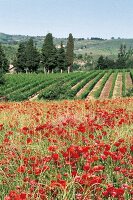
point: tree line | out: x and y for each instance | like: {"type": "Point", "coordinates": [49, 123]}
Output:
{"type": "Point", "coordinates": [50, 58]}
{"type": "Point", "coordinates": [124, 60]}
{"type": "Point", "coordinates": [28, 59]}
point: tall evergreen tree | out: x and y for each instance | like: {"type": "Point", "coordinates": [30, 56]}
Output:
{"type": "Point", "coordinates": [20, 60]}
{"type": "Point", "coordinates": [49, 53]}
{"type": "Point", "coordinates": [3, 64]}
{"type": "Point", "coordinates": [32, 56]}
{"type": "Point", "coordinates": [70, 52]}
{"type": "Point", "coordinates": [61, 58]}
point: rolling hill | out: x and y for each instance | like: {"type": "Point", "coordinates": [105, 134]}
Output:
{"type": "Point", "coordinates": [96, 48]}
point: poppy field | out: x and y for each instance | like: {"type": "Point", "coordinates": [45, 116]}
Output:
{"type": "Point", "coordinates": [78, 150]}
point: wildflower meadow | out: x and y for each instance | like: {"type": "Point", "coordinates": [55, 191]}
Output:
{"type": "Point", "coordinates": [66, 150]}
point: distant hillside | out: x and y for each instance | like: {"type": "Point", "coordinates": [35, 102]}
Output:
{"type": "Point", "coordinates": [94, 47]}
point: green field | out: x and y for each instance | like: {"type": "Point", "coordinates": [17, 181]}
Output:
{"type": "Point", "coordinates": [76, 85]}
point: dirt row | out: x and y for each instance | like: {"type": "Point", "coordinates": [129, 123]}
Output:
{"type": "Point", "coordinates": [83, 89]}
{"type": "Point", "coordinates": [128, 81]}
{"type": "Point", "coordinates": [106, 90]}
{"type": "Point", "coordinates": [91, 94]}
{"type": "Point", "coordinates": [117, 92]}
{"type": "Point", "coordinates": [118, 86]}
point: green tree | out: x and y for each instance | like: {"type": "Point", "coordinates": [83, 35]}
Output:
{"type": "Point", "coordinates": [20, 60]}
{"type": "Point", "coordinates": [105, 63]}
{"type": "Point", "coordinates": [3, 64]}
{"type": "Point", "coordinates": [79, 56]}
{"type": "Point", "coordinates": [70, 52]}
{"type": "Point", "coordinates": [49, 53]}
{"type": "Point", "coordinates": [32, 56]}
{"type": "Point", "coordinates": [129, 61]}
{"type": "Point", "coordinates": [61, 58]}
{"type": "Point", "coordinates": [109, 63]}
{"type": "Point", "coordinates": [122, 57]}
{"type": "Point", "coordinates": [100, 63]}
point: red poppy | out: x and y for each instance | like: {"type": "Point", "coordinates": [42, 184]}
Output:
{"type": "Point", "coordinates": [55, 156]}
{"type": "Point", "coordinates": [29, 140]}
{"type": "Point", "coordinates": [21, 169]}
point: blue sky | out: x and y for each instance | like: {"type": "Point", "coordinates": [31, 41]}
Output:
{"type": "Point", "coordinates": [82, 18]}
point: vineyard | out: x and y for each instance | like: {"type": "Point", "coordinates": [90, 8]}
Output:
{"type": "Point", "coordinates": [76, 85]}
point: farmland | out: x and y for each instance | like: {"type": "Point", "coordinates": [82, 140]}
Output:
{"type": "Point", "coordinates": [79, 147]}
{"type": "Point", "coordinates": [79, 150]}
{"type": "Point", "coordinates": [76, 85]}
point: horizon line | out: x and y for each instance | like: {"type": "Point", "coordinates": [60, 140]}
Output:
{"type": "Point", "coordinates": [36, 35]}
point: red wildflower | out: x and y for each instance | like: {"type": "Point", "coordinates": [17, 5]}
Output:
{"type": "Point", "coordinates": [98, 168]}
{"type": "Point", "coordinates": [52, 148]}
{"type": "Point", "coordinates": [24, 130]}
{"type": "Point", "coordinates": [13, 195]}
{"type": "Point", "coordinates": [45, 168]}
{"type": "Point", "coordinates": [122, 149]}
{"type": "Point", "coordinates": [29, 140]}
{"type": "Point", "coordinates": [37, 171]}
{"type": "Point", "coordinates": [86, 167]}
{"type": "Point", "coordinates": [55, 156]}
{"type": "Point", "coordinates": [21, 169]}
{"type": "Point", "coordinates": [6, 140]}
{"type": "Point", "coordinates": [113, 192]}
{"type": "Point", "coordinates": [59, 183]}
{"type": "Point", "coordinates": [91, 136]}
{"type": "Point", "coordinates": [117, 168]}
{"type": "Point", "coordinates": [1, 127]}
{"type": "Point", "coordinates": [82, 128]}
{"type": "Point", "coordinates": [131, 148]}
{"type": "Point", "coordinates": [23, 196]}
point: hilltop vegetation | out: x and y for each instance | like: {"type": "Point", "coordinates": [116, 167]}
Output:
{"type": "Point", "coordinates": [81, 46]}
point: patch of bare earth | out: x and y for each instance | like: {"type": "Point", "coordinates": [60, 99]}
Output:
{"type": "Point", "coordinates": [91, 94]}
{"type": "Point", "coordinates": [83, 89]}
{"type": "Point", "coordinates": [118, 86]}
{"type": "Point", "coordinates": [128, 81]}
{"type": "Point", "coordinates": [33, 97]}
{"type": "Point", "coordinates": [106, 90]}
{"type": "Point", "coordinates": [76, 85]}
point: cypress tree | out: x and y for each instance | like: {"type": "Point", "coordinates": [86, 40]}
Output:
{"type": "Point", "coordinates": [61, 58]}
{"type": "Point", "coordinates": [49, 53]}
{"type": "Point", "coordinates": [3, 64]}
{"type": "Point", "coordinates": [32, 56]}
{"type": "Point", "coordinates": [70, 52]}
